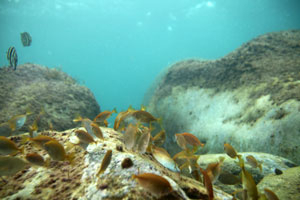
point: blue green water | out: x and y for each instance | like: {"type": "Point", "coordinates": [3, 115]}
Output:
{"type": "Point", "coordinates": [118, 47]}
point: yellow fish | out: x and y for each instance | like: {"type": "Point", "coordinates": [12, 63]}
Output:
{"type": "Point", "coordinates": [16, 122]}
{"type": "Point", "coordinates": [36, 159]}
{"type": "Point", "coordinates": [57, 152]}
{"type": "Point", "coordinates": [97, 131]}
{"type": "Point", "coordinates": [84, 136]}
{"type": "Point", "coordinates": [8, 147]}
{"type": "Point", "coordinates": [105, 162]}
{"type": "Point", "coordinates": [155, 184]}
{"type": "Point", "coordinates": [164, 158]}
{"type": "Point", "coordinates": [253, 162]}
{"type": "Point", "coordinates": [159, 138]}
{"type": "Point", "coordinates": [11, 165]}
{"type": "Point", "coordinates": [101, 118]}
{"type": "Point", "coordinates": [143, 116]}
{"type": "Point", "coordinates": [230, 151]}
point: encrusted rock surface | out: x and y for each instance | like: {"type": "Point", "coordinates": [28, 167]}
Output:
{"type": "Point", "coordinates": [34, 86]}
{"type": "Point", "coordinates": [79, 181]}
{"type": "Point", "coordinates": [285, 186]}
{"type": "Point", "coordinates": [249, 98]}
{"type": "Point", "coordinates": [270, 165]}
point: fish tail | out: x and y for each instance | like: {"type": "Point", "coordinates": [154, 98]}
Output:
{"type": "Point", "coordinates": [78, 118]}
{"type": "Point", "coordinates": [71, 157]}
{"type": "Point", "coordinates": [24, 139]}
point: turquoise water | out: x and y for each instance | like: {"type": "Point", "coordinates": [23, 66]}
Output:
{"type": "Point", "coordinates": [117, 47]}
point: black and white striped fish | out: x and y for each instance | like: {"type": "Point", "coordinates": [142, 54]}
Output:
{"type": "Point", "coordinates": [12, 57]}
{"type": "Point", "coordinates": [26, 39]}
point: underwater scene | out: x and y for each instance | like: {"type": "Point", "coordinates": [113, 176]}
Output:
{"type": "Point", "coordinates": [119, 99]}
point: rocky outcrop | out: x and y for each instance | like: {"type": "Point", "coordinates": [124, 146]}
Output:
{"type": "Point", "coordinates": [249, 98]}
{"type": "Point", "coordinates": [271, 165]}
{"type": "Point", "coordinates": [35, 87]}
{"type": "Point", "coordinates": [286, 185]}
{"type": "Point", "coordinates": [60, 180]}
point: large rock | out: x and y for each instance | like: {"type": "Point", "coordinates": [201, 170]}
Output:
{"type": "Point", "coordinates": [249, 98]}
{"type": "Point", "coordinates": [286, 185]}
{"type": "Point", "coordinates": [36, 87]}
{"type": "Point", "coordinates": [60, 180]}
{"type": "Point", "coordinates": [271, 165]}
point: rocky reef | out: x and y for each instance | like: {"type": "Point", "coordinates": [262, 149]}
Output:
{"type": "Point", "coordinates": [37, 87]}
{"type": "Point", "coordinates": [62, 180]}
{"type": "Point", "coordinates": [249, 98]}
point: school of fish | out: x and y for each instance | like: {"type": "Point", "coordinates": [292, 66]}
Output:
{"type": "Point", "coordinates": [138, 128]}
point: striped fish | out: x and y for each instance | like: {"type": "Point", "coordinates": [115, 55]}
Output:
{"type": "Point", "coordinates": [12, 57]}
{"type": "Point", "coordinates": [26, 39]}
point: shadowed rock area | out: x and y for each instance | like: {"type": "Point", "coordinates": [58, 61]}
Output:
{"type": "Point", "coordinates": [249, 98]}
{"type": "Point", "coordinates": [35, 87]}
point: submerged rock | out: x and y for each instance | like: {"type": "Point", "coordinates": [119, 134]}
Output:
{"type": "Point", "coordinates": [285, 186]}
{"type": "Point", "coordinates": [270, 164]}
{"type": "Point", "coordinates": [35, 87]}
{"type": "Point", "coordinates": [249, 98]}
{"type": "Point", "coordinates": [80, 181]}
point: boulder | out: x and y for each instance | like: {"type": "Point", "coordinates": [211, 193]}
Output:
{"type": "Point", "coordinates": [249, 98]}
{"type": "Point", "coordinates": [285, 186]}
{"type": "Point", "coordinates": [62, 180]}
{"type": "Point", "coordinates": [37, 87]}
{"type": "Point", "coordinates": [271, 165]}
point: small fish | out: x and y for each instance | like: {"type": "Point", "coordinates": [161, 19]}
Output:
{"type": "Point", "coordinates": [12, 57]}
{"type": "Point", "coordinates": [26, 39]}
{"type": "Point", "coordinates": [17, 122]}
{"type": "Point", "coordinates": [143, 142]}
{"type": "Point", "coordinates": [121, 118]}
{"type": "Point", "coordinates": [230, 151]}
{"type": "Point", "coordinates": [130, 136]}
{"type": "Point", "coordinates": [155, 184]}
{"type": "Point", "coordinates": [86, 123]}
{"type": "Point", "coordinates": [34, 127]}
{"type": "Point", "coordinates": [97, 131]}
{"type": "Point", "coordinates": [57, 152]}
{"type": "Point", "coordinates": [5, 129]}
{"type": "Point", "coordinates": [190, 139]}
{"type": "Point", "coordinates": [214, 169]}
{"type": "Point", "coordinates": [143, 116]}
{"type": "Point", "coordinates": [181, 141]}
{"type": "Point", "coordinates": [36, 159]}
{"type": "Point", "coordinates": [11, 165]}
{"type": "Point", "coordinates": [249, 184]}
{"type": "Point", "coordinates": [39, 140]}
{"type": "Point", "coordinates": [164, 158]}
{"type": "Point", "coordinates": [253, 162]}
{"type": "Point", "coordinates": [270, 194]}
{"type": "Point", "coordinates": [228, 178]}
{"type": "Point", "coordinates": [208, 184]}
{"type": "Point", "coordinates": [105, 162]}
{"type": "Point", "coordinates": [8, 147]}
{"type": "Point", "coordinates": [84, 136]}
{"type": "Point", "coordinates": [102, 117]}
{"type": "Point", "coordinates": [159, 138]}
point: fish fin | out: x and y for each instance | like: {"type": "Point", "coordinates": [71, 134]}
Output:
{"type": "Point", "coordinates": [24, 139]}
{"type": "Point", "coordinates": [143, 107]}
{"type": "Point", "coordinates": [179, 155]}
{"type": "Point", "coordinates": [12, 126]}
{"type": "Point", "coordinates": [78, 118]}
{"type": "Point", "coordinates": [70, 157]}
{"type": "Point", "coordinates": [260, 167]}
{"type": "Point", "coordinates": [105, 123]}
